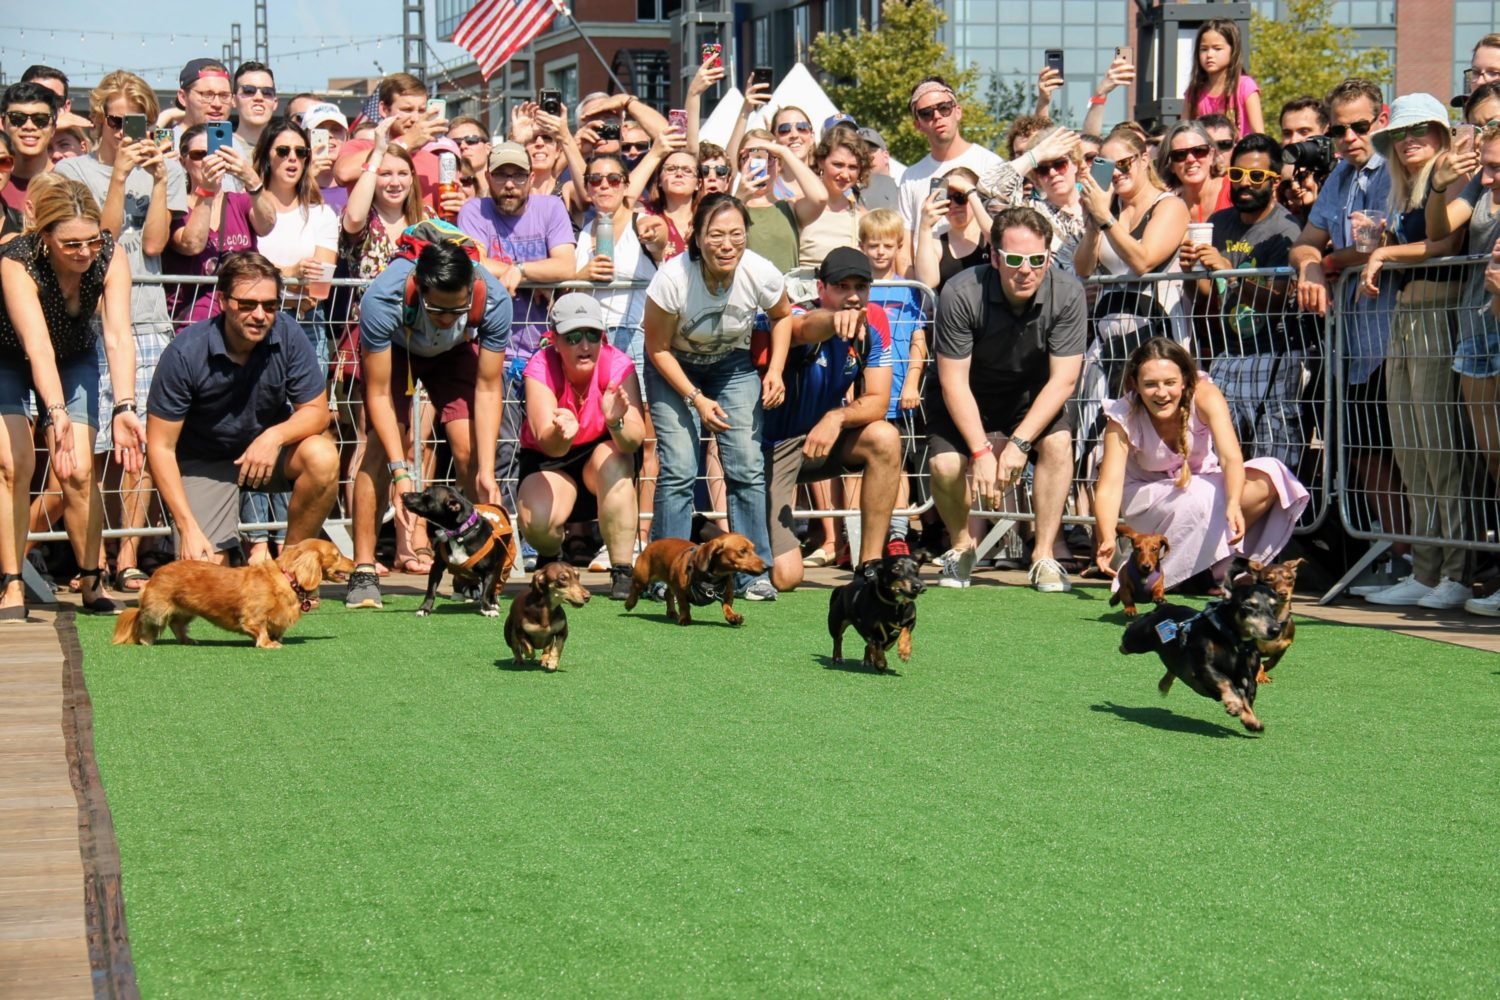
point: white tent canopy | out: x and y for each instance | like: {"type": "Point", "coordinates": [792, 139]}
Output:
{"type": "Point", "coordinates": [797, 89]}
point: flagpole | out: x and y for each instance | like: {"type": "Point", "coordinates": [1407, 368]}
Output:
{"type": "Point", "coordinates": [562, 8]}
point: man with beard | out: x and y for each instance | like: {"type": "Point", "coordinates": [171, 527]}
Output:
{"type": "Point", "coordinates": [1253, 324]}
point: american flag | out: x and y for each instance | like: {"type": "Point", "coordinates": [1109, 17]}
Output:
{"type": "Point", "coordinates": [494, 30]}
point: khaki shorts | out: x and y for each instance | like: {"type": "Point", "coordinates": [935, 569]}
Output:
{"type": "Point", "coordinates": [786, 469]}
{"type": "Point", "coordinates": [213, 495]}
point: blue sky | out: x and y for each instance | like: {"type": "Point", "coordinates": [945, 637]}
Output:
{"type": "Point", "coordinates": [339, 37]}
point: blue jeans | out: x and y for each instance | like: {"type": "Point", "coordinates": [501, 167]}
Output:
{"type": "Point", "coordinates": [734, 384]}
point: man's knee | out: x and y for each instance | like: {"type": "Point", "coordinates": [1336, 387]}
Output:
{"type": "Point", "coordinates": [947, 468]}
{"type": "Point", "coordinates": [318, 458]}
{"type": "Point", "coordinates": [786, 571]}
{"type": "Point", "coordinates": [880, 443]}
{"type": "Point", "coordinates": [1056, 447]}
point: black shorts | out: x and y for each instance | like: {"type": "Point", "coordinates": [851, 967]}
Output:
{"type": "Point", "coordinates": [1367, 422]}
{"type": "Point", "coordinates": [943, 435]}
{"type": "Point", "coordinates": [586, 507]}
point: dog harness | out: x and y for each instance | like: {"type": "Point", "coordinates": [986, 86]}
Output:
{"type": "Point", "coordinates": [499, 524]}
{"type": "Point", "coordinates": [1139, 585]}
{"type": "Point", "coordinates": [304, 599]}
{"type": "Point", "coordinates": [703, 591]}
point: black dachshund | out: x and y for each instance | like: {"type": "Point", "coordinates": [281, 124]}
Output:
{"type": "Point", "coordinates": [476, 542]}
{"type": "Point", "coordinates": [881, 605]}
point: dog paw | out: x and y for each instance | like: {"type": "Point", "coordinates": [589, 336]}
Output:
{"type": "Point", "coordinates": [1250, 722]}
{"type": "Point", "coordinates": [490, 612]}
{"type": "Point", "coordinates": [423, 612]}
{"type": "Point", "coordinates": [1233, 705]}
{"type": "Point", "coordinates": [1262, 678]}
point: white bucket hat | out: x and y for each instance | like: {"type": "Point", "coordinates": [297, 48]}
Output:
{"type": "Point", "coordinates": [1406, 111]}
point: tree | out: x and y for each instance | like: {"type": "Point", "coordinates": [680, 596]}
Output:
{"type": "Point", "coordinates": [870, 75]}
{"type": "Point", "coordinates": [1302, 54]}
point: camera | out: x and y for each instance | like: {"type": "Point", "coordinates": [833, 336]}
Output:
{"type": "Point", "coordinates": [607, 130]}
{"type": "Point", "coordinates": [1314, 155]}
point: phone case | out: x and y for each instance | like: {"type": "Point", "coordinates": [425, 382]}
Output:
{"type": "Point", "coordinates": [713, 51]}
{"type": "Point", "coordinates": [1103, 172]}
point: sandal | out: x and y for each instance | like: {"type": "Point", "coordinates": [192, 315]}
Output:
{"type": "Point", "coordinates": [15, 613]}
{"type": "Point", "coordinates": [100, 605]}
{"type": "Point", "coordinates": [421, 558]}
{"type": "Point", "coordinates": [818, 557]}
{"type": "Point", "coordinates": [131, 580]}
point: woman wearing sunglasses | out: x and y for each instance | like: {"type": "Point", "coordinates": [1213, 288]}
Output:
{"type": "Point", "coordinates": [579, 443]}
{"type": "Point", "coordinates": [57, 278]}
{"type": "Point", "coordinates": [794, 129]}
{"type": "Point", "coordinates": [1187, 161]}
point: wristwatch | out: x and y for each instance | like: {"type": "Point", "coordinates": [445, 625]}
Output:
{"type": "Point", "coordinates": [396, 466]}
{"type": "Point", "coordinates": [1022, 445]}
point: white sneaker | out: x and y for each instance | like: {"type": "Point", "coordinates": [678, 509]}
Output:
{"type": "Point", "coordinates": [1487, 606]}
{"type": "Point", "coordinates": [1048, 577]}
{"type": "Point", "coordinates": [600, 562]}
{"type": "Point", "coordinates": [955, 567]}
{"type": "Point", "coordinates": [1446, 596]}
{"type": "Point", "coordinates": [1406, 594]}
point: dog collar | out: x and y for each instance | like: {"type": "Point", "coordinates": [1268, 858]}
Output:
{"type": "Point", "coordinates": [463, 529]}
{"type": "Point", "coordinates": [303, 597]}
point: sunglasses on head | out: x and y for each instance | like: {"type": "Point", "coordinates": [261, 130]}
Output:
{"type": "Point", "coordinates": [300, 152]}
{"type": "Point", "coordinates": [575, 337]}
{"type": "Point", "coordinates": [1251, 175]}
{"type": "Point", "coordinates": [629, 148]}
{"type": "Point", "coordinates": [1056, 166]}
{"type": "Point", "coordinates": [612, 179]}
{"type": "Point", "coordinates": [469, 140]}
{"type": "Point", "coordinates": [786, 128]}
{"type": "Point", "coordinates": [249, 90]}
{"type": "Point", "coordinates": [942, 110]}
{"type": "Point", "coordinates": [248, 306]}
{"type": "Point", "coordinates": [1031, 260]}
{"type": "Point", "coordinates": [41, 119]}
{"type": "Point", "coordinates": [709, 170]}
{"type": "Point", "coordinates": [1196, 152]}
{"type": "Point", "coordinates": [1361, 127]}
{"type": "Point", "coordinates": [1410, 132]}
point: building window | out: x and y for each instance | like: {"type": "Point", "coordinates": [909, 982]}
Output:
{"type": "Point", "coordinates": [801, 32]}
{"type": "Point", "coordinates": [760, 42]}
{"type": "Point", "coordinates": [656, 10]}
{"type": "Point", "coordinates": [565, 80]}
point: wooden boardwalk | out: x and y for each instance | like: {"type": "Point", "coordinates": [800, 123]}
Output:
{"type": "Point", "coordinates": [61, 911]}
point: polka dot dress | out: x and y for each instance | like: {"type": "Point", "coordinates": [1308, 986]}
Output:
{"type": "Point", "coordinates": [71, 335]}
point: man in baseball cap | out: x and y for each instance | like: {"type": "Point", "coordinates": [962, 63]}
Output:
{"type": "Point", "coordinates": [884, 189]}
{"type": "Point", "coordinates": [814, 435]}
{"type": "Point", "coordinates": [203, 91]}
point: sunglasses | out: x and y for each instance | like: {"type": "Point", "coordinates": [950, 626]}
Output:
{"type": "Point", "coordinates": [197, 155]}
{"type": "Point", "coordinates": [1361, 127]}
{"type": "Point", "coordinates": [629, 148]}
{"type": "Point", "coordinates": [1034, 261]}
{"type": "Point", "coordinates": [74, 246]}
{"type": "Point", "coordinates": [248, 306]}
{"type": "Point", "coordinates": [942, 110]}
{"type": "Point", "coordinates": [247, 90]}
{"type": "Point", "coordinates": [1410, 132]}
{"type": "Point", "coordinates": [785, 128]}
{"type": "Point", "coordinates": [1056, 166]}
{"type": "Point", "coordinates": [1196, 152]}
{"type": "Point", "coordinates": [1089, 158]}
{"type": "Point", "coordinates": [612, 179]}
{"type": "Point", "coordinates": [462, 310]}
{"type": "Point", "coordinates": [721, 169]}
{"type": "Point", "coordinates": [469, 140]}
{"type": "Point", "coordinates": [575, 337]}
{"type": "Point", "coordinates": [41, 119]}
{"type": "Point", "coordinates": [1124, 164]}
{"type": "Point", "coordinates": [7, 161]}
{"type": "Point", "coordinates": [1251, 175]}
{"type": "Point", "coordinates": [300, 152]}
{"type": "Point", "coordinates": [1224, 145]}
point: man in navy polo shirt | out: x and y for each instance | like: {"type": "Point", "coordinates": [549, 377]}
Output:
{"type": "Point", "coordinates": [814, 435]}
{"type": "Point", "coordinates": [239, 401]}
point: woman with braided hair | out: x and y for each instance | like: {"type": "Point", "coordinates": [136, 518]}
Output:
{"type": "Point", "coordinates": [1172, 466]}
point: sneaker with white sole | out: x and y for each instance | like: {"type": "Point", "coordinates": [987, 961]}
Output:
{"type": "Point", "coordinates": [364, 590]}
{"type": "Point", "coordinates": [760, 590]}
{"type": "Point", "coordinates": [1487, 606]}
{"type": "Point", "coordinates": [600, 562]}
{"type": "Point", "coordinates": [1406, 594]}
{"type": "Point", "coordinates": [1048, 577]}
{"type": "Point", "coordinates": [955, 568]}
{"type": "Point", "coordinates": [1446, 596]}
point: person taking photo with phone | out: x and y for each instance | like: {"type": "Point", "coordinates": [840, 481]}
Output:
{"type": "Point", "coordinates": [938, 117]}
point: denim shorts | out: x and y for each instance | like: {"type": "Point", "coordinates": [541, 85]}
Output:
{"type": "Point", "coordinates": [1478, 355]}
{"type": "Point", "coordinates": [80, 385]}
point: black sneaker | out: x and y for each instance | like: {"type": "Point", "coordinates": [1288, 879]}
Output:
{"type": "Point", "coordinates": [364, 590]}
{"type": "Point", "coordinates": [620, 578]}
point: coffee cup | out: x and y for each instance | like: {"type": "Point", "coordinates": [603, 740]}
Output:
{"type": "Point", "coordinates": [1200, 234]}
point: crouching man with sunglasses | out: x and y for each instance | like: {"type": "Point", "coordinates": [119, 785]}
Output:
{"type": "Point", "coordinates": [418, 323]}
{"type": "Point", "coordinates": [1254, 328]}
{"type": "Point", "coordinates": [1009, 342]}
{"type": "Point", "coordinates": [581, 440]}
{"type": "Point", "coordinates": [239, 401]}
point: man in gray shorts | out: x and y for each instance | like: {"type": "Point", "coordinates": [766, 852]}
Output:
{"type": "Point", "coordinates": [239, 401]}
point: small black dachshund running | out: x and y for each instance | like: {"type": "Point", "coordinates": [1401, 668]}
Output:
{"type": "Point", "coordinates": [881, 605]}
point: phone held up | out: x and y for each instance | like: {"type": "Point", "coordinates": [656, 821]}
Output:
{"type": "Point", "coordinates": [439, 105]}
{"type": "Point", "coordinates": [713, 53]}
{"type": "Point", "coordinates": [135, 127]}
{"type": "Point", "coordinates": [677, 120]}
{"type": "Point", "coordinates": [1054, 61]}
{"type": "Point", "coordinates": [940, 186]}
{"type": "Point", "coordinates": [1103, 171]}
{"type": "Point", "coordinates": [760, 75]}
{"type": "Point", "coordinates": [219, 135]}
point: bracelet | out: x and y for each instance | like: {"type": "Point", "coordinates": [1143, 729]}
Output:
{"type": "Point", "coordinates": [55, 407]}
{"type": "Point", "coordinates": [690, 397]}
{"type": "Point", "coordinates": [1439, 190]}
{"type": "Point", "coordinates": [397, 466]}
{"type": "Point", "coordinates": [403, 474]}
{"type": "Point", "coordinates": [256, 191]}
{"type": "Point", "coordinates": [203, 192]}
{"type": "Point", "coordinates": [618, 425]}
{"type": "Point", "coordinates": [1098, 99]}
{"type": "Point", "coordinates": [123, 406]}
{"type": "Point", "coordinates": [988, 449]}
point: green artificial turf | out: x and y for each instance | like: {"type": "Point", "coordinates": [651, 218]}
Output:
{"type": "Point", "coordinates": [386, 808]}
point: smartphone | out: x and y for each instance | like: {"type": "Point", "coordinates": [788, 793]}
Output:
{"type": "Point", "coordinates": [1125, 52]}
{"type": "Point", "coordinates": [1103, 172]}
{"type": "Point", "coordinates": [757, 168]}
{"type": "Point", "coordinates": [319, 138]}
{"type": "Point", "coordinates": [713, 52]}
{"type": "Point", "coordinates": [1463, 135]}
{"type": "Point", "coordinates": [550, 101]}
{"type": "Point", "coordinates": [677, 119]}
{"type": "Point", "coordinates": [761, 74]}
{"type": "Point", "coordinates": [161, 136]}
{"type": "Point", "coordinates": [939, 184]}
{"type": "Point", "coordinates": [219, 135]}
{"type": "Point", "coordinates": [1054, 60]}
{"type": "Point", "coordinates": [135, 127]}
{"type": "Point", "coordinates": [439, 105]}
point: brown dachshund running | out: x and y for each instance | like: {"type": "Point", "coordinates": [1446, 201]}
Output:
{"type": "Point", "coordinates": [537, 620]}
{"type": "Point", "coordinates": [1141, 576]}
{"type": "Point", "coordinates": [695, 574]}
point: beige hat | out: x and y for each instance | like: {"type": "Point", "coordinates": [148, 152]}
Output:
{"type": "Point", "coordinates": [509, 154]}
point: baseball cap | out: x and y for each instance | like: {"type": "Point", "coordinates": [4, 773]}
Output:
{"type": "Point", "coordinates": [323, 113]}
{"type": "Point", "coordinates": [576, 311]}
{"type": "Point", "coordinates": [844, 262]}
{"type": "Point", "coordinates": [196, 69]}
{"type": "Point", "coordinates": [511, 154]}
{"type": "Point", "coordinates": [873, 137]}
{"type": "Point", "coordinates": [839, 119]}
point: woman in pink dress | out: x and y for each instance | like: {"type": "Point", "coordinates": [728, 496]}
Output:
{"type": "Point", "coordinates": [1172, 466]}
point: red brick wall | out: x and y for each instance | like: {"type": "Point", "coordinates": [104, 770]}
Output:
{"type": "Point", "coordinates": [1424, 46]}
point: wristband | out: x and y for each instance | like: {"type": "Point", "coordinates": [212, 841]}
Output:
{"type": "Point", "coordinates": [123, 406]}
{"type": "Point", "coordinates": [690, 397]}
{"type": "Point", "coordinates": [371, 166]}
{"type": "Point", "coordinates": [988, 449]}
{"type": "Point", "coordinates": [1098, 99]}
{"type": "Point", "coordinates": [203, 192]}
{"type": "Point", "coordinates": [256, 191]}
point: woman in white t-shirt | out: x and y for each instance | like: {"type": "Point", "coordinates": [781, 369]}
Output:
{"type": "Point", "coordinates": [701, 311]}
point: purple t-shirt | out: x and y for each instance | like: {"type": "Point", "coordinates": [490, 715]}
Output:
{"type": "Point", "coordinates": [193, 303]}
{"type": "Point", "coordinates": [518, 239]}
{"type": "Point", "coordinates": [335, 197]}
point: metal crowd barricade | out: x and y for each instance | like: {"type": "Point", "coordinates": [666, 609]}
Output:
{"type": "Point", "coordinates": [1419, 435]}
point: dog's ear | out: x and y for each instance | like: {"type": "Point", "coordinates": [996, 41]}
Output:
{"type": "Point", "coordinates": [1127, 531]}
{"type": "Point", "coordinates": [703, 556]}
{"type": "Point", "coordinates": [539, 581]}
{"type": "Point", "coordinates": [1292, 564]}
{"type": "Point", "coordinates": [307, 569]}
{"type": "Point", "coordinates": [1166, 546]}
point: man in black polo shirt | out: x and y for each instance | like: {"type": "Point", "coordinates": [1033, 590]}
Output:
{"type": "Point", "coordinates": [1009, 343]}
{"type": "Point", "coordinates": [239, 401]}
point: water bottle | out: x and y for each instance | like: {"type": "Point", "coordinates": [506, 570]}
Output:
{"type": "Point", "coordinates": [604, 236]}
{"type": "Point", "coordinates": [447, 180]}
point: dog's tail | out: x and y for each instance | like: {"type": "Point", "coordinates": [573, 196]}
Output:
{"type": "Point", "coordinates": [1114, 598]}
{"type": "Point", "coordinates": [127, 628]}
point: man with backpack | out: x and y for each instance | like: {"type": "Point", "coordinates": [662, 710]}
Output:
{"type": "Point", "coordinates": [432, 316]}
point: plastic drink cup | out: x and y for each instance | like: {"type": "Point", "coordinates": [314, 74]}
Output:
{"type": "Point", "coordinates": [1200, 234]}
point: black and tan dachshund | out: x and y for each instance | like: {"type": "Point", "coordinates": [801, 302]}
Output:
{"type": "Point", "coordinates": [476, 542]}
{"type": "Point", "coordinates": [1213, 651]}
{"type": "Point", "coordinates": [881, 605]}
